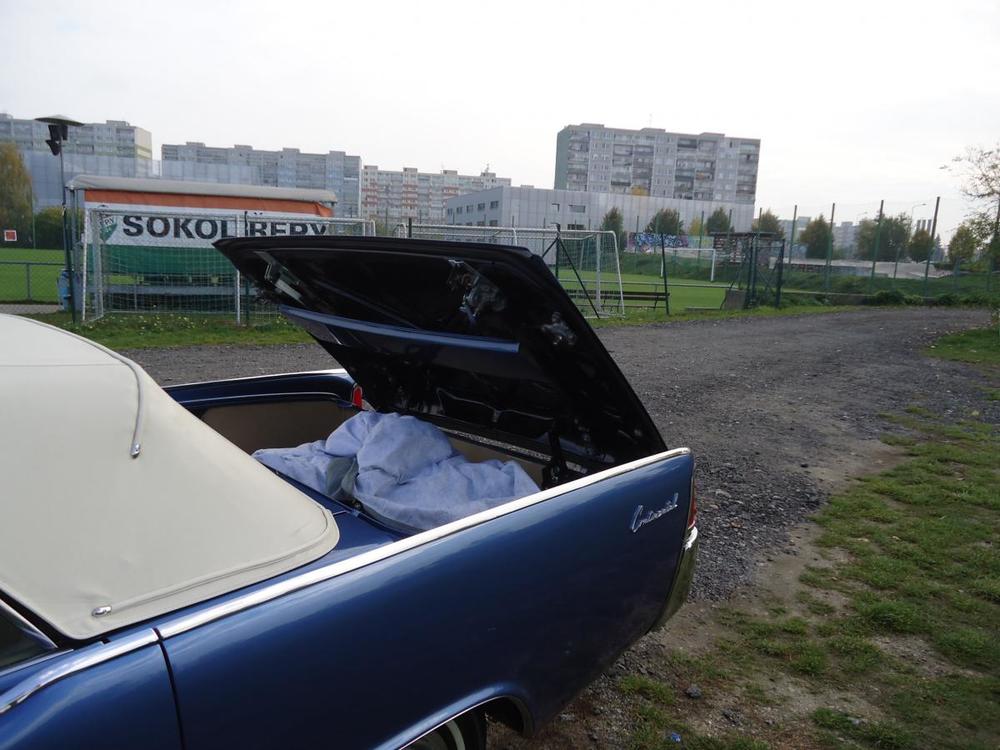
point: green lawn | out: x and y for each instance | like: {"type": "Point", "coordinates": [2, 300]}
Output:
{"type": "Point", "coordinates": [14, 277]}
{"type": "Point", "coordinates": [980, 346]}
{"type": "Point", "coordinates": [891, 639]}
{"type": "Point", "coordinates": [157, 331]}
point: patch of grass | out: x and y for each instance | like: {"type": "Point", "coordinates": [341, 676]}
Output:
{"type": "Point", "coordinates": [887, 735]}
{"type": "Point", "coordinates": [644, 316]}
{"type": "Point", "coordinates": [149, 331]}
{"type": "Point", "coordinates": [978, 346]}
{"type": "Point", "coordinates": [635, 684]}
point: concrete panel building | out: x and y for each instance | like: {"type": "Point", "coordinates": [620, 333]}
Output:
{"type": "Point", "coordinates": [393, 197]}
{"type": "Point", "coordinates": [651, 161]}
{"type": "Point", "coordinates": [289, 167]}
{"type": "Point", "coordinates": [112, 148]}
{"type": "Point", "coordinates": [575, 209]}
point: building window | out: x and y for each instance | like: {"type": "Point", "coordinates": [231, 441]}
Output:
{"type": "Point", "coordinates": [555, 206]}
{"type": "Point", "coordinates": [468, 209]}
{"type": "Point", "coordinates": [494, 204]}
{"type": "Point", "coordinates": [458, 210]}
{"type": "Point", "coordinates": [577, 209]}
{"type": "Point", "coordinates": [493, 222]}
{"type": "Point", "coordinates": [481, 207]}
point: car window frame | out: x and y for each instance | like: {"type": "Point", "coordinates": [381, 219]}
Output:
{"type": "Point", "coordinates": [31, 632]}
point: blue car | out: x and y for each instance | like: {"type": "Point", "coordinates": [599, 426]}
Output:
{"type": "Point", "coordinates": [209, 566]}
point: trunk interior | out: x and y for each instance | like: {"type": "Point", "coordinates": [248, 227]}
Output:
{"type": "Point", "coordinates": [289, 423]}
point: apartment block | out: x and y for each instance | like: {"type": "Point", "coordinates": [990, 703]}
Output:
{"type": "Point", "coordinates": [113, 148]}
{"type": "Point", "coordinates": [393, 197]}
{"type": "Point", "coordinates": [650, 161]}
{"type": "Point", "coordinates": [289, 167]}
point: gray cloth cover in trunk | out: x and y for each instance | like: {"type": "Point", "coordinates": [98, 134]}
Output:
{"type": "Point", "coordinates": [402, 470]}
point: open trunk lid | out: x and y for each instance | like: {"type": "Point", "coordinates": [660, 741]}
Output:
{"type": "Point", "coordinates": [473, 336]}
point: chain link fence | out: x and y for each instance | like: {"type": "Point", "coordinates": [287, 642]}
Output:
{"type": "Point", "coordinates": [165, 262]}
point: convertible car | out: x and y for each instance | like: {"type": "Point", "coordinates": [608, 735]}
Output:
{"type": "Point", "coordinates": [473, 518]}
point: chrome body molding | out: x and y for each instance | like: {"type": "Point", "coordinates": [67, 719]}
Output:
{"type": "Point", "coordinates": [333, 371]}
{"type": "Point", "coordinates": [184, 623]}
{"type": "Point", "coordinates": [86, 657]}
{"type": "Point", "coordinates": [228, 400]}
{"type": "Point", "coordinates": [682, 578]}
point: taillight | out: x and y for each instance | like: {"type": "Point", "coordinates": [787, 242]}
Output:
{"type": "Point", "coordinates": [692, 509]}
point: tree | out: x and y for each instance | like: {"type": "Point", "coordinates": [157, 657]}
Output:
{"type": "Point", "coordinates": [768, 222]}
{"type": "Point", "coordinates": [695, 229]}
{"type": "Point", "coordinates": [964, 242]}
{"type": "Point", "coordinates": [817, 237]}
{"type": "Point", "coordinates": [15, 193]}
{"type": "Point", "coordinates": [982, 186]}
{"type": "Point", "coordinates": [718, 221]}
{"type": "Point", "coordinates": [666, 221]}
{"type": "Point", "coordinates": [892, 239]}
{"type": "Point", "coordinates": [49, 227]}
{"type": "Point", "coordinates": [613, 222]}
{"type": "Point", "coordinates": [921, 246]}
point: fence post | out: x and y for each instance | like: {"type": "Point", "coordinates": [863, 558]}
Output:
{"type": "Point", "coordinates": [927, 266]}
{"type": "Point", "coordinates": [237, 277]}
{"type": "Point", "coordinates": [27, 280]}
{"type": "Point", "coordinates": [954, 274]}
{"type": "Point", "coordinates": [829, 250]}
{"type": "Point", "coordinates": [781, 265]}
{"type": "Point", "coordinates": [663, 270]}
{"type": "Point", "coordinates": [878, 237]}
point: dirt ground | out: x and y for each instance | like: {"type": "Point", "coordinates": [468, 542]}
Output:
{"type": "Point", "coordinates": [779, 412]}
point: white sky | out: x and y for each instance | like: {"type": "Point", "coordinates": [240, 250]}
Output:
{"type": "Point", "coordinates": [853, 101]}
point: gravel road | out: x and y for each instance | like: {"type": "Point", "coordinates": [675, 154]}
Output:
{"type": "Point", "coordinates": [779, 410]}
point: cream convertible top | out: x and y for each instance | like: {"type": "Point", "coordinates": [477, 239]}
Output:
{"type": "Point", "coordinates": [116, 504]}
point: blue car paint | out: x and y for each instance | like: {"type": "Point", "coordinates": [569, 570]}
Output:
{"type": "Point", "coordinates": [123, 703]}
{"type": "Point", "coordinates": [535, 603]}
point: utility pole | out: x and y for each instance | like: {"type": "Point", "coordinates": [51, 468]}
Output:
{"type": "Point", "coordinates": [829, 250]}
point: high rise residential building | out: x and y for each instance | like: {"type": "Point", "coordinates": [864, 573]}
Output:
{"type": "Point", "coordinates": [654, 162]}
{"type": "Point", "coordinates": [289, 167]}
{"type": "Point", "coordinates": [112, 148]}
{"type": "Point", "coordinates": [392, 197]}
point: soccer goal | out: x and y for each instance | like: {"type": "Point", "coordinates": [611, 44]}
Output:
{"type": "Point", "coordinates": [585, 261]}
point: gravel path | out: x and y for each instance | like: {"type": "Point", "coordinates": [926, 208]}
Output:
{"type": "Point", "coordinates": [779, 411]}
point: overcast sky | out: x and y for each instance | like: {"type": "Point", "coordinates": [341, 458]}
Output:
{"type": "Point", "coordinates": [853, 101]}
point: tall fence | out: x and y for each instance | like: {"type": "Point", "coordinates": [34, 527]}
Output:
{"type": "Point", "coordinates": [165, 261]}
{"type": "Point", "coordinates": [586, 262]}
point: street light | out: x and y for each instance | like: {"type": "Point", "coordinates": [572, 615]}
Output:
{"type": "Point", "coordinates": [59, 126]}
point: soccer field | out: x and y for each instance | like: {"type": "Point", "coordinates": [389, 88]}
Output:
{"type": "Point", "coordinates": [683, 294]}
{"type": "Point", "coordinates": [15, 273]}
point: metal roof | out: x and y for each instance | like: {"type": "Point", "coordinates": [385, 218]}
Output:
{"type": "Point", "coordinates": [190, 187]}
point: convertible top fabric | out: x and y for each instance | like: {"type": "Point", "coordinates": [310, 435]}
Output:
{"type": "Point", "coordinates": [117, 504]}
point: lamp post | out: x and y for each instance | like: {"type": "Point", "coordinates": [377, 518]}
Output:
{"type": "Point", "coordinates": [59, 126]}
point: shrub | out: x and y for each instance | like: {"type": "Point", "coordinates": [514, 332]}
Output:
{"type": "Point", "coordinates": [886, 297]}
{"type": "Point", "coordinates": [946, 300]}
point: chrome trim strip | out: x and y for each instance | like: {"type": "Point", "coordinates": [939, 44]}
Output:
{"type": "Point", "coordinates": [184, 623]}
{"type": "Point", "coordinates": [692, 537]}
{"type": "Point", "coordinates": [334, 371]}
{"type": "Point", "coordinates": [27, 627]}
{"type": "Point", "coordinates": [224, 400]}
{"type": "Point", "coordinates": [85, 658]}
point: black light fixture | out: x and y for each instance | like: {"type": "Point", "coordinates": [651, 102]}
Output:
{"type": "Point", "coordinates": [59, 126]}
